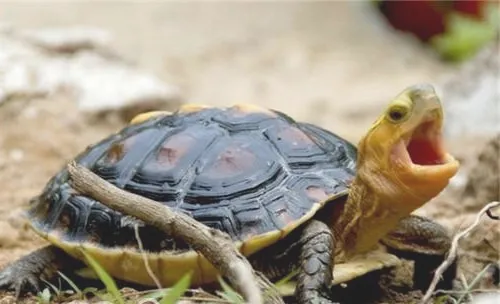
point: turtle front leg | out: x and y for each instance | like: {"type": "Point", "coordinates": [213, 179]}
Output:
{"type": "Point", "coordinates": [25, 274]}
{"type": "Point", "coordinates": [425, 242]}
{"type": "Point", "coordinates": [316, 264]}
{"type": "Point", "coordinates": [308, 249]}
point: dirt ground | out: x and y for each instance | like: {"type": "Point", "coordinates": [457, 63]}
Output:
{"type": "Point", "coordinates": [325, 63]}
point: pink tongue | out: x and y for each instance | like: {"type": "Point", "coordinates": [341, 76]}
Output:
{"type": "Point", "coordinates": [422, 152]}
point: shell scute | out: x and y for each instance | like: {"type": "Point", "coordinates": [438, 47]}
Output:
{"type": "Point", "coordinates": [235, 165]}
{"type": "Point", "coordinates": [301, 150]}
{"type": "Point", "coordinates": [244, 171]}
{"type": "Point", "coordinates": [253, 220]}
{"type": "Point", "coordinates": [234, 119]}
{"type": "Point", "coordinates": [217, 217]}
{"type": "Point", "coordinates": [175, 157]}
{"type": "Point", "coordinates": [282, 209]}
{"type": "Point", "coordinates": [341, 153]}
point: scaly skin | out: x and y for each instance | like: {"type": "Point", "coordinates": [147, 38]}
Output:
{"type": "Point", "coordinates": [26, 273]}
{"type": "Point", "coordinates": [427, 243]}
{"type": "Point", "coordinates": [310, 248]}
{"type": "Point", "coordinates": [316, 263]}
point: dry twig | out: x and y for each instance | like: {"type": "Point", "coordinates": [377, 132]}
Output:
{"type": "Point", "coordinates": [492, 216]}
{"type": "Point", "coordinates": [453, 252]}
{"type": "Point", "coordinates": [215, 245]}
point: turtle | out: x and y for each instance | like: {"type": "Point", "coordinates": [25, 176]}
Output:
{"type": "Point", "coordinates": [291, 195]}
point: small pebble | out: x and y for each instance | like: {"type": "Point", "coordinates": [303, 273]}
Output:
{"type": "Point", "coordinates": [16, 154]}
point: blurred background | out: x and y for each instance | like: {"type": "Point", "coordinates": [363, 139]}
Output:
{"type": "Point", "coordinates": [333, 63]}
{"type": "Point", "coordinates": [72, 72]}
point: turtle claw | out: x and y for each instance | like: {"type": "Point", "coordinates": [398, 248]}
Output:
{"type": "Point", "coordinates": [26, 274]}
{"type": "Point", "coordinates": [16, 277]}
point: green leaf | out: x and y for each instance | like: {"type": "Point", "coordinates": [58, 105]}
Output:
{"type": "Point", "coordinates": [229, 293]}
{"type": "Point", "coordinates": [444, 299]}
{"type": "Point", "coordinates": [287, 278]}
{"type": "Point", "coordinates": [286, 285]}
{"type": "Point", "coordinates": [177, 290]}
{"type": "Point", "coordinates": [45, 296]}
{"type": "Point", "coordinates": [72, 284]}
{"type": "Point", "coordinates": [106, 279]}
{"type": "Point", "coordinates": [465, 35]}
{"type": "Point", "coordinates": [91, 290]}
{"type": "Point", "coordinates": [56, 290]}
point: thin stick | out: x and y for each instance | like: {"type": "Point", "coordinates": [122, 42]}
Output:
{"type": "Point", "coordinates": [453, 252]}
{"type": "Point", "coordinates": [215, 245]}
{"type": "Point", "coordinates": [145, 258]}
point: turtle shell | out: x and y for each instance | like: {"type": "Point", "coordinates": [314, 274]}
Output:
{"type": "Point", "coordinates": [250, 172]}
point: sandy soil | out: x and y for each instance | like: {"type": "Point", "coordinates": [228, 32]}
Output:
{"type": "Point", "coordinates": [323, 63]}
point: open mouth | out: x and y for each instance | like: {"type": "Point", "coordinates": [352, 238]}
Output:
{"type": "Point", "coordinates": [423, 146]}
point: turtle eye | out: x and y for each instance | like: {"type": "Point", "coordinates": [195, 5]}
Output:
{"type": "Point", "coordinates": [398, 113]}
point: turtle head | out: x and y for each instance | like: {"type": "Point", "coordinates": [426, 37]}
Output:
{"type": "Point", "coordinates": [403, 155]}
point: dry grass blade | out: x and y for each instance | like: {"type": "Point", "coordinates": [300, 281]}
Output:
{"type": "Point", "coordinates": [145, 258]}
{"type": "Point", "coordinates": [453, 252]}
{"type": "Point", "coordinates": [468, 290]}
{"type": "Point", "coordinates": [216, 246]}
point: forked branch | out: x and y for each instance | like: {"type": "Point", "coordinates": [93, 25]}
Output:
{"type": "Point", "coordinates": [452, 255]}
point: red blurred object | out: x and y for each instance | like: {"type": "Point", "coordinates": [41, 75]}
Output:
{"type": "Point", "coordinates": [472, 8]}
{"type": "Point", "coordinates": [426, 18]}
